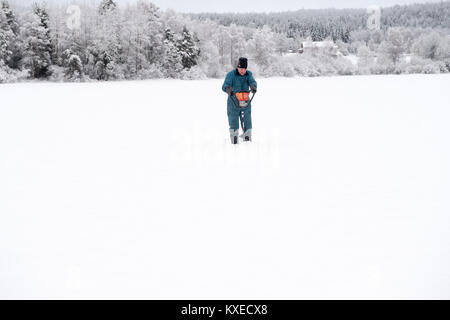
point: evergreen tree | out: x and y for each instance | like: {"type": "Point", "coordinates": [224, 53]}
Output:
{"type": "Point", "coordinates": [172, 63]}
{"type": "Point", "coordinates": [10, 51]}
{"type": "Point", "coordinates": [10, 17]}
{"type": "Point", "coordinates": [38, 49]}
{"type": "Point", "coordinates": [73, 65]}
{"type": "Point", "coordinates": [74, 69]}
{"type": "Point", "coordinates": [188, 50]}
{"type": "Point", "coordinates": [5, 34]}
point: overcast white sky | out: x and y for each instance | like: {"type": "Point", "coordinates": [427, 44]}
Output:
{"type": "Point", "coordinates": [255, 5]}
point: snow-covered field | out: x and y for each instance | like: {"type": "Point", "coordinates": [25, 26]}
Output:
{"type": "Point", "coordinates": [132, 190]}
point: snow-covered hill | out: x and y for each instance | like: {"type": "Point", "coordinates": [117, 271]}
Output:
{"type": "Point", "coordinates": [132, 190]}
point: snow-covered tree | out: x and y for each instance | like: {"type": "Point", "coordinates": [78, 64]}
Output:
{"type": "Point", "coordinates": [5, 35]}
{"type": "Point", "coordinates": [153, 31]}
{"type": "Point", "coordinates": [365, 59]}
{"type": "Point", "coordinates": [10, 41]}
{"type": "Point", "coordinates": [237, 44]}
{"type": "Point", "coordinates": [58, 32]}
{"type": "Point", "coordinates": [38, 46]}
{"type": "Point", "coordinates": [262, 46]}
{"type": "Point", "coordinates": [105, 52]}
{"type": "Point", "coordinates": [211, 61]}
{"type": "Point", "coordinates": [431, 46]}
{"type": "Point", "coordinates": [144, 41]}
{"type": "Point", "coordinates": [283, 43]}
{"type": "Point", "coordinates": [188, 49]}
{"type": "Point", "coordinates": [394, 46]}
{"type": "Point", "coordinates": [222, 40]}
{"type": "Point", "coordinates": [209, 58]}
{"type": "Point", "coordinates": [139, 41]}
{"type": "Point", "coordinates": [172, 63]}
{"type": "Point", "coordinates": [10, 17]}
{"type": "Point", "coordinates": [73, 66]}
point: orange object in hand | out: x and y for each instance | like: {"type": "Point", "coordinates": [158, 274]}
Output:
{"type": "Point", "coordinates": [242, 96]}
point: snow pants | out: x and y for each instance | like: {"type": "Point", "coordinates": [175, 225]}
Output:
{"type": "Point", "coordinates": [234, 114]}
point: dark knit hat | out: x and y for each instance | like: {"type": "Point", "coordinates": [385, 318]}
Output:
{"type": "Point", "coordinates": [243, 63]}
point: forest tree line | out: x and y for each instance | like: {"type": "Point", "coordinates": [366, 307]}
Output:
{"type": "Point", "coordinates": [140, 41]}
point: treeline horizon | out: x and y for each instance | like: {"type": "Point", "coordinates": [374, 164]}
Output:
{"type": "Point", "coordinates": [335, 23]}
{"type": "Point", "coordinates": [140, 41]}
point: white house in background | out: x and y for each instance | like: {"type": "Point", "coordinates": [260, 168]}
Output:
{"type": "Point", "coordinates": [327, 45]}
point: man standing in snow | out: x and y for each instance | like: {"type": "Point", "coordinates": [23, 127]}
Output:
{"type": "Point", "coordinates": [238, 80]}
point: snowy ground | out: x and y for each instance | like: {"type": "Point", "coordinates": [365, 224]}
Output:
{"type": "Point", "coordinates": [132, 190]}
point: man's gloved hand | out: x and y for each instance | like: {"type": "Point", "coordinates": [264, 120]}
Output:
{"type": "Point", "coordinates": [229, 91]}
{"type": "Point", "coordinates": [253, 89]}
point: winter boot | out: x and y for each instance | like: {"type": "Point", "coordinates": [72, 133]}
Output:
{"type": "Point", "coordinates": [234, 134]}
{"type": "Point", "coordinates": [248, 135]}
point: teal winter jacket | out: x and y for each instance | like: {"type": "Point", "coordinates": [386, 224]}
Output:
{"type": "Point", "coordinates": [238, 83]}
